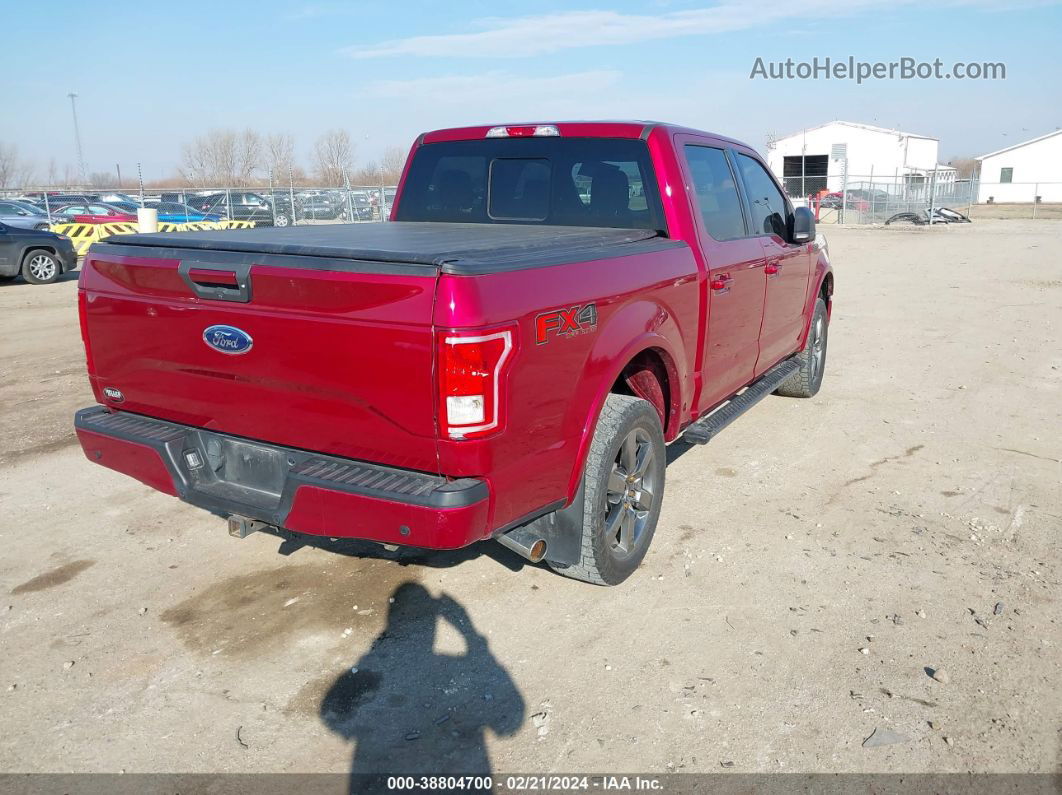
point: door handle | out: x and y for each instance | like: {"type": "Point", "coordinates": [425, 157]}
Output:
{"type": "Point", "coordinates": [773, 268]}
{"type": "Point", "coordinates": [721, 282]}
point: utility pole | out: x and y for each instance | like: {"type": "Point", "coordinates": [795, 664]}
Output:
{"type": "Point", "coordinates": [77, 140]}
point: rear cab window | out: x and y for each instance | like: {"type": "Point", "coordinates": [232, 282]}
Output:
{"type": "Point", "coordinates": [601, 182]}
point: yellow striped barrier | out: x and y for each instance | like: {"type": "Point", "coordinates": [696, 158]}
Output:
{"type": "Point", "coordinates": [81, 235]}
{"type": "Point", "coordinates": [117, 228]}
{"type": "Point", "coordinates": [84, 235]}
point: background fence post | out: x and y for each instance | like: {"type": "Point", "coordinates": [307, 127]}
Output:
{"type": "Point", "coordinates": [1036, 192]}
{"type": "Point", "coordinates": [291, 194]}
{"type": "Point", "coordinates": [932, 185]}
{"type": "Point", "coordinates": [228, 203]}
{"type": "Point", "coordinates": [350, 200]}
{"type": "Point", "coordinates": [844, 190]}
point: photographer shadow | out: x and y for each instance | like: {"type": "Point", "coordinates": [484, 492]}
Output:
{"type": "Point", "coordinates": [414, 712]}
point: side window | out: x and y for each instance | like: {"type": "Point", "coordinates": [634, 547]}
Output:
{"type": "Point", "coordinates": [1006, 175]}
{"type": "Point", "coordinates": [717, 196]}
{"type": "Point", "coordinates": [768, 206]}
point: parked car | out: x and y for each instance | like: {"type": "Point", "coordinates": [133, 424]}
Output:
{"type": "Point", "coordinates": [126, 207]}
{"type": "Point", "coordinates": [246, 206]}
{"type": "Point", "coordinates": [858, 198]}
{"type": "Point", "coordinates": [57, 200]}
{"type": "Point", "coordinates": [22, 215]}
{"type": "Point", "coordinates": [359, 204]}
{"type": "Point", "coordinates": [92, 214]}
{"type": "Point", "coordinates": [39, 256]}
{"type": "Point", "coordinates": [321, 207]}
{"type": "Point", "coordinates": [505, 361]}
{"type": "Point", "coordinates": [176, 212]}
{"type": "Point", "coordinates": [119, 198]}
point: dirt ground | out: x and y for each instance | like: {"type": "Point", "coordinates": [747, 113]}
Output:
{"type": "Point", "coordinates": [811, 567]}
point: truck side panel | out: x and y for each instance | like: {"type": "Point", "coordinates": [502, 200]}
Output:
{"type": "Point", "coordinates": [559, 379]}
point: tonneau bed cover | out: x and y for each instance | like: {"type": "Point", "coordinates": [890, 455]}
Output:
{"type": "Point", "coordinates": [453, 248]}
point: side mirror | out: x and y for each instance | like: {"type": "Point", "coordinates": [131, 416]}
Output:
{"type": "Point", "coordinates": [803, 225]}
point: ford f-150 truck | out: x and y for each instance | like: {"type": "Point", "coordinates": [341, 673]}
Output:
{"type": "Point", "coordinates": [550, 305]}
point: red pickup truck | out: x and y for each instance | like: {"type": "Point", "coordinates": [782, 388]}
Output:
{"type": "Point", "coordinates": [549, 306]}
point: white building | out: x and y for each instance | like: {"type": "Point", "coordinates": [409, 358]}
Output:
{"type": "Point", "coordinates": [1024, 171]}
{"type": "Point", "coordinates": [820, 157]}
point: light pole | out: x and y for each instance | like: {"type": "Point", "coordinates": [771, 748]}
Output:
{"type": "Point", "coordinates": [77, 140]}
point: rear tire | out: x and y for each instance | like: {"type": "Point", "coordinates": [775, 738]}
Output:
{"type": "Point", "coordinates": [41, 267]}
{"type": "Point", "coordinates": [280, 220]}
{"type": "Point", "coordinates": [805, 382]}
{"type": "Point", "coordinates": [623, 484]}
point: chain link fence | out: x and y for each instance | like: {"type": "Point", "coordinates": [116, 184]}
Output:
{"type": "Point", "coordinates": [847, 199]}
{"type": "Point", "coordinates": [278, 206]}
{"type": "Point", "coordinates": [869, 199]}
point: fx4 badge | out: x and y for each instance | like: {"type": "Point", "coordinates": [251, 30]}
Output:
{"type": "Point", "coordinates": [565, 322]}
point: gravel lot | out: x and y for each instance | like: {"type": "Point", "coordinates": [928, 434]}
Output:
{"type": "Point", "coordinates": [812, 566]}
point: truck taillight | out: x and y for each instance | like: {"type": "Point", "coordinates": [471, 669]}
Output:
{"type": "Point", "coordinates": [541, 130]}
{"type": "Point", "coordinates": [471, 381]}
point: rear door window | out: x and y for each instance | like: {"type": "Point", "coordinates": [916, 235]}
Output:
{"type": "Point", "coordinates": [715, 192]}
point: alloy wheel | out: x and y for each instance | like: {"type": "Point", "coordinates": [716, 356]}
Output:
{"type": "Point", "coordinates": [630, 493]}
{"type": "Point", "coordinates": [42, 267]}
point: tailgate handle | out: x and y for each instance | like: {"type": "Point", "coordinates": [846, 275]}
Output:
{"type": "Point", "coordinates": [209, 278]}
{"type": "Point", "coordinates": [217, 282]}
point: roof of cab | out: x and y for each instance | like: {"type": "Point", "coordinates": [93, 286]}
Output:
{"type": "Point", "coordinates": [573, 129]}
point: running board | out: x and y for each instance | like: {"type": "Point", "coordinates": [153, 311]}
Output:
{"type": "Point", "coordinates": [705, 429]}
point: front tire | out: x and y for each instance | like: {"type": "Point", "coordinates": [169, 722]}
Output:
{"type": "Point", "coordinates": [281, 220]}
{"type": "Point", "coordinates": [41, 267]}
{"type": "Point", "coordinates": [805, 382]}
{"type": "Point", "coordinates": [623, 486]}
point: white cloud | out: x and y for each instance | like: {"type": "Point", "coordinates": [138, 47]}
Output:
{"type": "Point", "coordinates": [537, 35]}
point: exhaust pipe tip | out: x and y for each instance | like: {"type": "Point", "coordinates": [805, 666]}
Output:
{"type": "Point", "coordinates": [525, 544]}
{"type": "Point", "coordinates": [538, 551]}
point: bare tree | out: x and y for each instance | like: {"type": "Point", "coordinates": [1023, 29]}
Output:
{"type": "Point", "coordinates": [368, 174]}
{"type": "Point", "coordinates": [391, 164]}
{"type": "Point", "coordinates": [101, 179]}
{"type": "Point", "coordinates": [280, 157]}
{"type": "Point", "coordinates": [222, 158]}
{"type": "Point", "coordinates": [333, 156]}
{"type": "Point", "coordinates": [965, 167]}
{"type": "Point", "coordinates": [15, 172]}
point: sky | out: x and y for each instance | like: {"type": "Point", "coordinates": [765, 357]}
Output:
{"type": "Point", "coordinates": [150, 76]}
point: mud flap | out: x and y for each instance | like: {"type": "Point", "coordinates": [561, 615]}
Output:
{"type": "Point", "coordinates": [563, 532]}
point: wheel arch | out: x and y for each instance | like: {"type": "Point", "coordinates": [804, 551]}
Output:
{"type": "Point", "coordinates": [822, 278]}
{"type": "Point", "coordinates": [650, 355]}
{"type": "Point", "coordinates": [31, 247]}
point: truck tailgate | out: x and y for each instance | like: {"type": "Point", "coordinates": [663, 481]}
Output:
{"type": "Point", "coordinates": [324, 354]}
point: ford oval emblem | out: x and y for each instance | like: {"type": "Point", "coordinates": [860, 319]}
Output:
{"type": "Point", "coordinates": [227, 339]}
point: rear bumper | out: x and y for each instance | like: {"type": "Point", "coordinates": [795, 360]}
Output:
{"type": "Point", "coordinates": [304, 492]}
{"type": "Point", "coordinates": [68, 258]}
